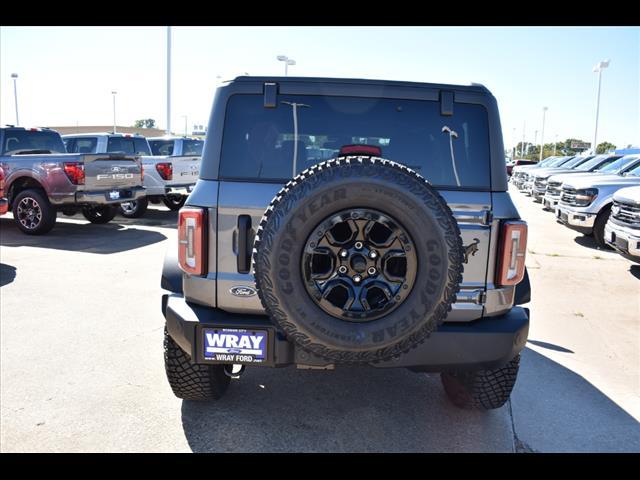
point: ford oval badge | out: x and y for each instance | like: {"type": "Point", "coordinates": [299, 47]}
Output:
{"type": "Point", "coordinates": [243, 291]}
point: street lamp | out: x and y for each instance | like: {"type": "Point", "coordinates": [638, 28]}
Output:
{"type": "Point", "coordinates": [114, 110]}
{"type": "Point", "coordinates": [544, 111]}
{"type": "Point", "coordinates": [287, 61]}
{"type": "Point", "coordinates": [598, 68]}
{"type": "Point", "coordinates": [15, 96]}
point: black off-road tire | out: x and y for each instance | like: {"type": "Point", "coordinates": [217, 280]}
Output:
{"type": "Point", "coordinates": [481, 389]}
{"type": "Point", "coordinates": [137, 210]}
{"type": "Point", "coordinates": [172, 203]}
{"type": "Point", "coordinates": [47, 212]}
{"type": "Point", "coordinates": [598, 228]}
{"type": "Point", "coordinates": [344, 184]}
{"type": "Point", "coordinates": [190, 381]}
{"type": "Point", "coordinates": [99, 214]}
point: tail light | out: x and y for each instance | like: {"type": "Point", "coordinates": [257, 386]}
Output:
{"type": "Point", "coordinates": [1, 182]}
{"type": "Point", "coordinates": [512, 253]}
{"type": "Point", "coordinates": [192, 240]}
{"type": "Point", "coordinates": [141, 172]}
{"type": "Point", "coordinates": [165, 169]}
{"type": "Point", "coordinates": [75, 172]}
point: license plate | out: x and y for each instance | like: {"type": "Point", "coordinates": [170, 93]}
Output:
{"type": "Point", "coordinates": [233, 345]}
{"type": "Point", "coordinates": [114, 195]}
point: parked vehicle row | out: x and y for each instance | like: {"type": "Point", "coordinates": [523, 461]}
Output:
{"type": "Point", "coordinates": [96, 174]}
{"type": "Point", "coordinates": [594, 195]}
{"type": "Point", "coordinates": [41, 178]}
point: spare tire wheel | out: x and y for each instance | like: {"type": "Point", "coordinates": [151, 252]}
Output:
{"type": "Point", "coordinates": [358, 259]}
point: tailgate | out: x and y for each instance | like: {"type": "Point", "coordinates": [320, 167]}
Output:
{"type": "Point", "coordinates": [108, 171]}
{"type": "Point", "coordinates": [186, 169]}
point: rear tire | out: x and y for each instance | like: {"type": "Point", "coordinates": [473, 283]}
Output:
{"type": "Point", "coordinates": [481, 389]}
{"type": "Point", "coordinates": [174, 202]}
{"type": "Point", "coordinates": [33, 213]}
{"type": "Point", "coordinates": [191, 381]}
{"type": "Point", "coordinates": [598, 228]}
{"type": "Point", "coordinates": [99, 214]}
{"type": "Point", "coordinates": [134, 209]}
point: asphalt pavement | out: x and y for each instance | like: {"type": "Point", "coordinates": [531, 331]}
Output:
{"type": "Point", "coordinates": [81, 366]}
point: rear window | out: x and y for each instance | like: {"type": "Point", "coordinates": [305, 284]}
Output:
{"type": "Point", "coordinates": [82, 145]}
{"type": "Point", "coordinates": [161, 147]}
{"type": "Point", "coordinates": [260, 143]}
{"type": "Point", "coordinates": [23, 140]}
{"type": "Point", "coordinates": [128, 145]}
{"type": "Point", "coordinates": [192, 147]}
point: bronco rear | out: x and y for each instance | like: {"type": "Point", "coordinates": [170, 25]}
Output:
{"type": "Point", "coordinates": [349, 222]}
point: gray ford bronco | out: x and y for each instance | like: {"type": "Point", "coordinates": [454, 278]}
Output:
{"type": "Point", "coordinates": [344, 221]}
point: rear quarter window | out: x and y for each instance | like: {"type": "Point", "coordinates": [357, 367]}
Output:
{"type": "Point", "coordinates": [261, 143]}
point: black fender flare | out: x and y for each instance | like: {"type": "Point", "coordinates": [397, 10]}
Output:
{"type": "Point", "coordinates": [171, 274]}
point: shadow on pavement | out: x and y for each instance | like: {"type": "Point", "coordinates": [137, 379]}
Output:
{"type": "Point", "coordinates": [550, 346]}
{"type": "Point", "coordinates": [635, 271]}
{"type": "Point", "coordinates": [103, 239]}
{"type": "Point", "coordinates": [350, 409]}
{"type": "Point", "coordinates": [7, 274]}
{"type": "Point", "coordinates": [360, 409]}
{"type": "Point", "coordinates": [557, 410]}
{"type": "Point", "coordinates": [151, 218]}
{"type": "Point", "coordinates": [589, 242]}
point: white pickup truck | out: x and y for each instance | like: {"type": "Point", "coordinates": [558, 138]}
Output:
{"type": "Point", "coordinates": [167, 178]}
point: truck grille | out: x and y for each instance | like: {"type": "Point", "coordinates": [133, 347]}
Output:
{"type": "Point", "coordinates": [554, 188]}
{"type": "Point", "coordinates": [540, 183]}
{"type": "Point", "coordinates": [626, 213]}
{"type": "Point", "coordinates": [568, 196]}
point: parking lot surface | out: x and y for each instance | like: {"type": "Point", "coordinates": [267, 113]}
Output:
{"type": "Point", "coordinates": [81, 366]}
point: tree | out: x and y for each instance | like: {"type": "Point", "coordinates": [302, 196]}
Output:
{"type": "Point", "coordinates": [604, 147]}
{"type": "Point", "coordinates": [145, 123]}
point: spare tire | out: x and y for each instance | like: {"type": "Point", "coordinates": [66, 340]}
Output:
{"type": "Point", "coordinates": [358, 259]}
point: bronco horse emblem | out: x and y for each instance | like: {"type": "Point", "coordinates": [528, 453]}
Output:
{"type": "Point", "coordinates": [471, 249]}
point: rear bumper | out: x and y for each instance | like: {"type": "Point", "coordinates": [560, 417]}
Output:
{"type": "Point", "coordinates": [179, 189]}
{"type": "Point", "coordinates": [103, 197]}
{"type": "Point", "coordinates": [486, 343]}
{"type": "Point", "coordinates": [4, 206]}
{"type": "Point", "coordinates": [625, 240]}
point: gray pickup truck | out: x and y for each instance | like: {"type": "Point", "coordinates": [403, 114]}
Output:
{"type": "Point", "coordinates": [42, 179]}
{"type": "Point", "coordinates": [167, 178]}
{"type": "Point", "coordinates": [403, 250]}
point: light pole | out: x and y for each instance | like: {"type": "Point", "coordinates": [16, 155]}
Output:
{"type": "Point", "coordinates": [114, 110]}
{"type": "Point", "coordinates": [513, 142]}
{"type": "Point", "coordinates": [544, 111]}
{"type": "Point", "coordinates": [555, 145]}
{"type": "Point", "coordinates": [168, 81]}
{"type": "Point", "coordinates": [535, 138]}
{"type": "Point", "coordinates": [185, 125]}
{"type": "Point", "coordinates": [524, 125]}
{"type": "Point", "coordinates": [15, 96]}
{"type": "Point", "coordinates": [598, 68]}
{"type": "Point", "coordinates": [287, 61]}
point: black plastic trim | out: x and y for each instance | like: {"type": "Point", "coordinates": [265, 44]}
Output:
{"type": "Point", "coordinates": [171, 274]}
{"type": "Point", "coordinates": [523, 290]}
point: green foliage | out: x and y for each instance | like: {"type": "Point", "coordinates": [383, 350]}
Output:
{"type": "Point", "coordinates": [604, 147]}
{"type": "Point", "coordinates": [145, 123]}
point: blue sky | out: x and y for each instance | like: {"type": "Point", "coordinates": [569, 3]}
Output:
{"type": "Point", "coordinates": [66, 74]}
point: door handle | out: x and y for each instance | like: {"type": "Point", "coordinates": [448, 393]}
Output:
{"type": "Point", "coordinates": [244, 243]}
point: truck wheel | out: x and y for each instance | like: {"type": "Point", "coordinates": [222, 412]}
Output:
{"type": "Point", "coordinates": [174, 202]}
{"type": "Point", "coordinates": [99, 214]}
{"type": "Point", "coordinates": [358, 260]}
{"type": "Point", "coordinates": [481, 389]}
{"type": "Point", "coordinates": [598, 227]}
{"type": "Point", "coordinates": [134, 209]}
{"type": "Point", "coordinates": [190, 381]}
{"type": "Point", "coordinates": [33, 213]}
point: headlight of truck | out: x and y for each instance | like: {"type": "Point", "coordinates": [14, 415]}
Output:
{"type": "Point", "coordinates": [585, 196]}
